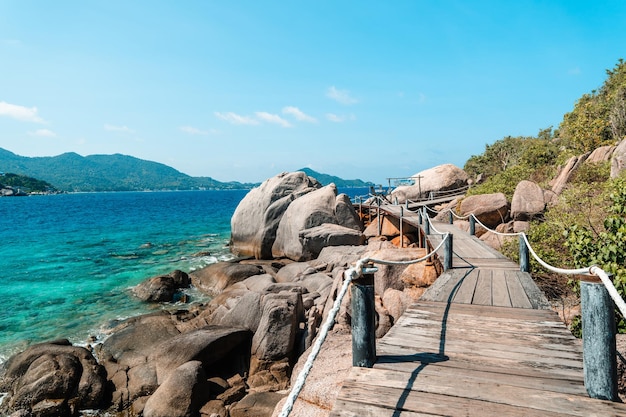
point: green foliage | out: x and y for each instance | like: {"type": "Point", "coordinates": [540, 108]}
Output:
{"type": "Point", "coordinates": [502, 182]}
{"type": "Point", "coordinates": [598, 118]}
{"type": "Point", "coordinates": [26, 183]}
{"type": "Point", "coordinates": [72, 172]}
{"type": "Point", "coordinates": [604, 247]}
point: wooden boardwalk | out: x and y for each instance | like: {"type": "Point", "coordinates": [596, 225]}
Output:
{"type": "Point", "coordinates": [482, 341]}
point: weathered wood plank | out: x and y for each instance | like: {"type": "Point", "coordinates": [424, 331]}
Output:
{"type": "Point", "coordinates": [536, 297]}
{"type": "Point", "coordinates": [465, 293]}
{"type": "Point", "coordinates": [482, 295]}
{"type": "Point", "coordinates": [500, 291]}
{"type": "Point", "coordinates": [490, 394]}
{"type": "Point", "coordinates": [516, 291]}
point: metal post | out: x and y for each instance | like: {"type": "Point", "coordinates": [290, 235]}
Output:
{"type": "Point", "coordinates": [598, 323]}
{"type": "Point", "coordinates": [524, 258]}
{"type": "Point", "coordinates": [363, 320]}
{"type": "Point", "coordinates": [447, 253]}
{"type": "Point", "coordinates": [401, 221]}
{"type": "Point", "coordinates": [472, 221]}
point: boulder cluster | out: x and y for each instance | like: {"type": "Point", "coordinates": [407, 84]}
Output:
{"type": "Point", "coordinates": [235, 355]}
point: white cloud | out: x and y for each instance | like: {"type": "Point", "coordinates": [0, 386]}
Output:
{"type": "Point", "coordinates": [299, 114]}
{"type": "Point", "coordinates": [24, 114]}
{"type": "Point", "coordinates": [195, 131]}
{"type": "Point", "coordinates": [341, 96]}
{"type": "Point", "coordinates": [236, 119]}
{"type": "Point", "coordinates": [43, 133]}
{"type": "Point", "coordinates": [340, 118]}
{"type": "Point", "coordinates": [124, 129]}
{"type": "Point", "coordinates": [272, 118]}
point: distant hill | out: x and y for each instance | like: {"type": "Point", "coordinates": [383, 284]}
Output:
{"type": "Point", "coordinates": [24, 183]}
{"type": "Point", "coordinates": [326, 179]}
{"type": "Point", "coordinates": [72, 172]}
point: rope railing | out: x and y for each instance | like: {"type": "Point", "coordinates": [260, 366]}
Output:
{"type": "Point", "coordinates": [350, 274]}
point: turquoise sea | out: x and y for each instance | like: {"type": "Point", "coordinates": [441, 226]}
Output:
{"type": "Point", "coordinates": [67, 261]}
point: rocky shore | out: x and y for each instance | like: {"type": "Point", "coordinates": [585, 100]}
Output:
{"type": "Point", "coordinates": [237, 354]}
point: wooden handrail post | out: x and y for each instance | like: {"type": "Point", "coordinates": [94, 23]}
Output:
{"type": "Point", "coordinates": [401, 221]}
{"type": "Point", "coordinates": [378, 217]}
{"type": "Point", "coordinates": [472, 221]}
{"type": "Point", "coordinates": [524, 256]}
{"type": "Point", "coordinates": [363, 320]}
{"type": "Point", "coordinates": [599, 356]}
{"type": "Point", "coordinates": [419, 216]}
{"type": "Point", "coordinates": [447, 253]}
{"type": "Point", "coordinates": [450, 217]}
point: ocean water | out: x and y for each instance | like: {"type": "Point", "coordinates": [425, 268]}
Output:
{"type": "Point", "coordinates": [67, 262]}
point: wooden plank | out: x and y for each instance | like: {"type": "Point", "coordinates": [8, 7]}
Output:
{"type": "Point", "coordinates": [516, 291]}
{"type": "Point", "coordinates": [510, 376]}
{"type": "Point", "coordinates": [500, 290]}
{"type": "Point", "coordinates": [443, 286]}
{"type": "Point", "coordinates": [482, 295]}
{"type": "Point", "coordinates": [536, 297]}
{"type": "Point", "coordinates": [465, 388]}
{"type": "Point", "coordinates": [473, 361]}
{"type": "Point", "coordinates": [465, 293]}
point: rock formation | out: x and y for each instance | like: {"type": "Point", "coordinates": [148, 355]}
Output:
{"type": "Point", "coordinates": [440, 178]}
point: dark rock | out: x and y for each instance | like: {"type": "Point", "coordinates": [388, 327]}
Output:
{"type": "Point", "coordinates": [162, 288]}
{"type": "Point", "coordinates": [53, 379]}
{"type": "Point", "coordinates": [214, 346]}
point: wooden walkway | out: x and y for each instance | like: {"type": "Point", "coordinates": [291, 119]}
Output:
{"type": "Point", "coordinates": [482, 341]}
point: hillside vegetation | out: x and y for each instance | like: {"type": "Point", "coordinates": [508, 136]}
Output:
{"type": "Point", "coordinates": [73, 172]}
{"type": "Point", "coordinates": [587, 224]}
{"type": "Point", "coordinates": [25, 183]}
{"type": "Point", "coordinates": [326, 179]}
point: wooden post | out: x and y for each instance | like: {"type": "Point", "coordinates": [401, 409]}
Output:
{"type": "Point", "coordinates": [363, 321]}
{"type": "Point", "coordinates": [472, 221]}
{"type": "Point", "coordinates": [598, 323]}
{"type": "Point", "coordinates": [450, 217]}
{"type": "Point", "coordinates": [447, 253]}
{"type": "Point", "coordinates": [378, 216]}
{"type": "Point", "coordinates": [524, 258]}
{"type": "Point", "coordinates": [426, 227]}
{"type": "Point", "coordinates": [419, 216]}
{"type": "Point", "coordinates": [401, 221]}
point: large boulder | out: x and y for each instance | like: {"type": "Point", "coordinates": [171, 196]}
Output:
{"type": "Point", "coordinates": [125, 354]}
{"type": "Point", "coordinates": [162, 288]}
{"type": "Point", "coordinates": [256, 219]}
{"type": "Point", "coordinates": [440, 178]}
{"type": "Point", "coordinates": [53, 379]}
{"type": "Point", "coordinates": [601, 154]}
{"type": "Point", "coordinates": [214, 346]}
{"type": "Point", "coordinates": [618, 161]}
{"type": "Point", "coordinates": [213, 279]}
{"type": "Point", "coordinates": [315, 239]}
{"type": "Point", "coordinates": [528, 201]}
{"type": "Point", "coordinates": [562, 178]}
{"type": "Point", "coordinates": [182, 394]}
{"type": "Point", "coordinates": [308, 211]}
{"type": "Point", "coordinates": [489, 209]}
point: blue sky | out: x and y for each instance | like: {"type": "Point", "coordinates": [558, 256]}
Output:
{"type": "Point", "coordinates": [243, 90]}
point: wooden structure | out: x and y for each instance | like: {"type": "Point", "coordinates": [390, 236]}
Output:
{"type": "Point", "coordinates": [481, 341]}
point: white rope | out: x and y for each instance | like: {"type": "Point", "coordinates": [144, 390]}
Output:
{"type": "Point", "coordinates": [349, 275]}
{"type": "Point", "coordinates": [495, 231]}
{"type": "Point", "coordinates": [606, 280]}
{"type": "Point", "coordinates": [413, 261]}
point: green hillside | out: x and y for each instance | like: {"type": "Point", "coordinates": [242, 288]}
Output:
{"type": "Point", "coordinates": [326, 179]}
{"type": "Point", "coordinates": [25, 183]}
{"type": "Point", "coordinates": [73, 172]}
